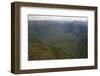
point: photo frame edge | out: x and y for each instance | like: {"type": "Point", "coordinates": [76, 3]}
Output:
{"type": "Point", "coordinates": [15, 43]}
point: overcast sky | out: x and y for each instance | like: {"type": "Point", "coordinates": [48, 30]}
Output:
{"type": "Point", "coordinates": [56, 18]}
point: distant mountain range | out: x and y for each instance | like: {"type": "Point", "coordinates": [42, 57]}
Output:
{"type": "Point", "coordinates": [56, 30]}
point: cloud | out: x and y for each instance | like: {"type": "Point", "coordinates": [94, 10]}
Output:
{"type": "Point", "coordinates": [56, 18]}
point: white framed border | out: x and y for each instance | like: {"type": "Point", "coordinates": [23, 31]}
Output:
{"type": "Point", "coordinates": [25, 64]}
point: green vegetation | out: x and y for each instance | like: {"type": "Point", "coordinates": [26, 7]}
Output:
{"type": "Point", "coordinates": [56, 49]}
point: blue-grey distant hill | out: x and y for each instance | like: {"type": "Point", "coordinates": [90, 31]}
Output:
{"type": "Point", "coordinates": [57, 29]}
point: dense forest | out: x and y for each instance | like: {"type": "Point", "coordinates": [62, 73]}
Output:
{"type": "Point", "coordinates": [57, 39]}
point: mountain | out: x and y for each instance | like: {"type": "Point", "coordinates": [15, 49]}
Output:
{"type": "Point", "coordinates": [56, 29]}
{"type": "Point", "coordinates": [57, 39]}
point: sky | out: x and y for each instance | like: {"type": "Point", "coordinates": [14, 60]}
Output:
{"type": "Point", "coordinates": [56, 18]}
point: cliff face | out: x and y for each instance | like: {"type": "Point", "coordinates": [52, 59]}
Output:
{"type": "Point", "coordinates": [56, 29]}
